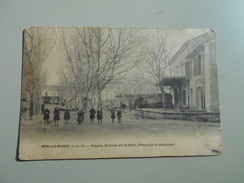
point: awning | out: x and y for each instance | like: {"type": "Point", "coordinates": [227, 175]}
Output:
{"type": "Point", "coordinates": [173, 80]}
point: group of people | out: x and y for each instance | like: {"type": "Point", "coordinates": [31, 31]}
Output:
{"type": "Point", "coordinates": [80, 115]}
{"type": "Point", "coordinates": [119, 115]}
{"type": "Point", "coordinates": [56, 117]}
{"type": "Point", "coordinates": [99, 115]}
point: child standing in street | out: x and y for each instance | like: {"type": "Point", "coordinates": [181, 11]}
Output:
{"type": "Point", "coordinates": [66, 115]}
{"type": "Point", "coordinates": [92, 114]}
{"type": "Point", "coordinates": [113, 115]}
{"type": "Point", "coordinates": [56, 117]}
{"type": "Point", "coordinates": [46, 116]}
{"type": "Point", "coordinates": [119, 115]}
{"type": "Point", "coordinates": [80, 117]}
{"type": "Point", "coordinates": [99, 115]}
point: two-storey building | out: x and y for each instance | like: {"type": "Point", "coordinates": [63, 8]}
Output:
{"type": "Point", "coordinates": [193, 75]}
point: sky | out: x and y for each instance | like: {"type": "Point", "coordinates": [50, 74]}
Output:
{"type": "Point", "coordinates": [176, 38]}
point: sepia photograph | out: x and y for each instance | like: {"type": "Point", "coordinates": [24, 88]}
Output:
{"type": "Point", "coordinates": [98, 92]}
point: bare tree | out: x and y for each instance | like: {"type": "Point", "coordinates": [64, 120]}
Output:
{"type": "Point", "coordinates": [140, 82]}
{"type": "Point", "coordinates": [157, 62]}
{"type": "Point", "coordinates": [68, 86]}
{"type": "Point", "coordinates": [101, 55]}
{"type": "Point", "coordinates": [37, 47]}
{"type": "Point", "coordinates": [77, 72]}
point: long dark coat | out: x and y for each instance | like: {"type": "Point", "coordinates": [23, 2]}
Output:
{"type": "Point", "coordinates": [80, 116]}
{"type": "Point", "coordinates": [56, 113]}
{"type": "Point", "coordinates": [66, 114]}
{"type": "Point", "coordinates": [99, 114]}
{"type": "Point", "coordinates": [119, 114]}
{"type": "Point", "coordinates": [113, 114]}
{"type": "Point", "coordinates": [92, 113]}
{"type": "Point", "coordinates": [46, 113]}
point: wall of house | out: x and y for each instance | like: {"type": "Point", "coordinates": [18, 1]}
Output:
{"type": "Point", "coordinates": [201, 84]}
{"type": "Point", "coordinates": [213, 78]}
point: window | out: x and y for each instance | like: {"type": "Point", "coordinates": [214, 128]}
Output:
{"type": "Point", "coordinates": [184, 97]}
{"type": "Point", "coordinates": [188, 70]}
{"type": "Point", "coordinates": [191, 98]}
{"type": "Point", "coordinates": [177, 71]}
{"type": "Point", "coordinates": [182, 68]}
{"type": "Point", "coordinates": [197, 65]}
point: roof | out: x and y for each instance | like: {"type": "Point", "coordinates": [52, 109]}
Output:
{"type": "Point", "coordinates": [51, 90]}
{"type": "Point", "coordinates": [195, 42]}
{"type": "Point", "coordinates": [50, 93]}
{"type": "Point", "coordinates": [173, 80]}
{"type": "Point", "coordinates": [136, 95]}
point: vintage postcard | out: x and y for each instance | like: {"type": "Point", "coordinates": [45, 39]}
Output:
{"type": "Point", "coordinates": [91, 92]}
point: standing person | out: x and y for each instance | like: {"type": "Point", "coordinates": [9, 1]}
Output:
{"type": "Point", "coordinates": [99, 115]}
{"type": "Point", "coordinates": [92, 114]}
{"type": "Point", "coordinates": [46, 116]}
{"type": "Point", "coordinates": [67, 115]}
{"type": "Point", "coordinates": [119, 115]}
{"type": "Point", "coordinates": [113, 115]}
{"type": "Point", "coordinates": [80, 117]}
{"type": "Point", "coordinates": [56, 117]}
{"type": "Point", "coordinates": [42, 108]}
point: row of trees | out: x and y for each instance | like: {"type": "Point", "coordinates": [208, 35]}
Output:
{"type": "Point", "coordinates": [96, 57]}
{"type": "Point", "coordinates": [37, 46]}
{"type": "Point", "coordinates": [157, 63]}
{"type": "Point", "coordinates": [93, 59]}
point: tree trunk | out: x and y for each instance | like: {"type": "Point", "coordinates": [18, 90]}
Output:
{"type": "Point", "coordinates": [31, 105]}
{"type": "Point", "coordinates": [75, 101]}
{"type": "Point", "coordinates": [163, 97]}
{"type": "Point", "coordinates": [37, 102]}
{"type": "Point", "coordinates": [163, 100]}
{"type": "Point", "coordinates": [84, 103]}
{"type": "Point", "coordinates": [99, 102]}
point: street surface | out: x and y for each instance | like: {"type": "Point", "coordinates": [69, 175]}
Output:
{"type": "Point", "coordinates": [130, 125]}
{"type": "Point", "coordinates": [92, 140]}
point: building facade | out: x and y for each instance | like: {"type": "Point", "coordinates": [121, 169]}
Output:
{"type": "Point", "coordinates": [193, 75]}
{"type": "Point", "coordinates": [51, 94]}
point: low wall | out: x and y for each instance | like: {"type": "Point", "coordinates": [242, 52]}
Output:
{"type": "Point", "coordinates": [177, 115]}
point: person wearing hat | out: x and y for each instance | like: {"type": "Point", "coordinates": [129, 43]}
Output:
{"type": "Point", "coordinates": [56, 117]}
{"type": "Point", "coordinates": [80, 117]}
{"type": "Point", "coordinates": [113, 115]}
{"type": "Point", "coordinates": [67, 115]}
{"type": "Point", "coordinates": [119, 115]}
{"type": "Point", "coordinates": [92, 114]}
{"type": "Point", "coordinates": [46, 116]}
{"type": "Point", "coordinates": [99, 115]}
